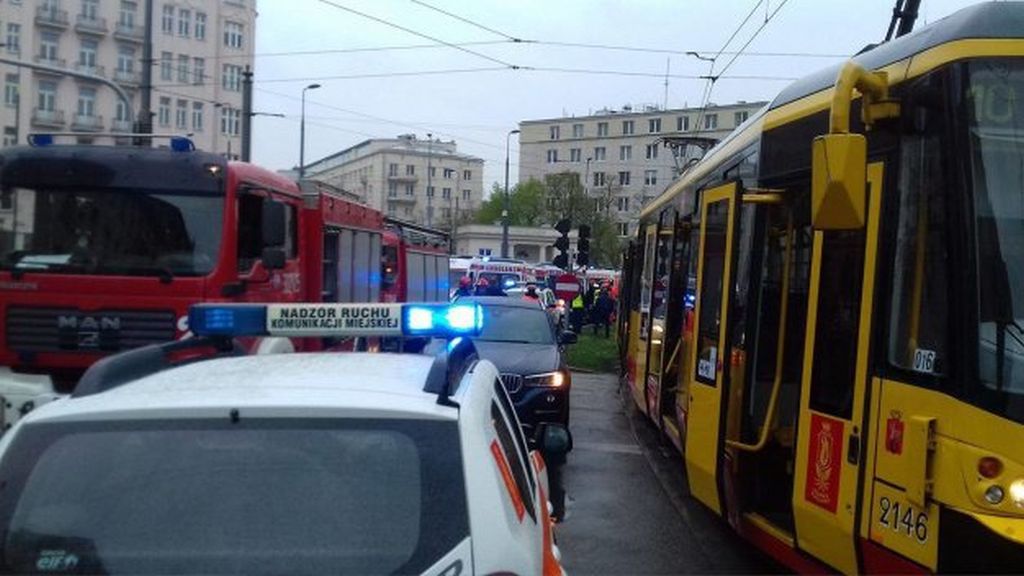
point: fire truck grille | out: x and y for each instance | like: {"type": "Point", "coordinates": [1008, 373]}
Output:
{"type": "Point", "coordinates": [68, 329]}
{"type": "Point", "coordinates": [512, 382]}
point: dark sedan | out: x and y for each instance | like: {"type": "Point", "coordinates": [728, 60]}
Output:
{"type": "Point", "coordinates": [520, 339]}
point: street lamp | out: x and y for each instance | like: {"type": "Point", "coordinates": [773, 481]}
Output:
{"type": "Point", "coordinates": [302, 132]}
{"type": "Point", "coordinates": [505, 209]}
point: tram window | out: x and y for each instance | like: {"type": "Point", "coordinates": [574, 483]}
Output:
{"type": "Point", "coordinates": [835, 336]}
{"type": "Point", "coordinates": [919, 304]}
{"type": "Point", "coordinates": [741, 277]}
{"type": "Point", "coordinates": [709, 322]}
{"type": "Point", "coordinates": [659, 299]}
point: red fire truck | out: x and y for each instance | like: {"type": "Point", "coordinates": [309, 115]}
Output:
{"type": "Point", "coordinates": [105, 248]}
{"type": "Point", "coordinates": [414, 263]}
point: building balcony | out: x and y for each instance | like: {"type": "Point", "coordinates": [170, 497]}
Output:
{"type": "Point", "coordinates": [47, 118]}
{"type": "Point", "coordinates": [403, 178]}
{"type": "Point", "coordinates": [87, 123]}
{"type": "Point", "coordinates": [120, 126]}
{"type": "Point", "coordinates": [91, 69]}
{"type": "Point", "coordinates": [129, 32]}
{"type": "Point", "coordinates": [47, 16]}
{"type": "Point", "coordinates": [402, 199]}
{"type": "Point", "coordinates": [47, 61]}
{"type": "Point", "coordinates": [91, 25]}
{"type": "Point", "coordinates": [129, 77]}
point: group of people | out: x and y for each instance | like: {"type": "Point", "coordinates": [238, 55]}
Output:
{"type": "Point", "coordinates": [596, 305]}
{"type": "Point", "coordinates": [482, 288]}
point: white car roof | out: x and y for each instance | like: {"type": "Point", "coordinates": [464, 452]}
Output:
{"type": "Point", "coordinates": [353, 384]}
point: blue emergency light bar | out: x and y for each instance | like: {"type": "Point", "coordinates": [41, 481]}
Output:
{"type": "Point", "coordinates": [336, 320]}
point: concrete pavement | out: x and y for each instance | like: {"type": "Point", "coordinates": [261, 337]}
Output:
{"type": "Point", "coordinates": [628, 512]}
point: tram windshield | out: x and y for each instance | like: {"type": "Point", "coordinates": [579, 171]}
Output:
{"type": "Point", "coordinates": [996, 138]}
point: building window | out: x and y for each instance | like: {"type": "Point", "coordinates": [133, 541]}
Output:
{"type": "Point", "coordinates": [552, 156]}
{"type": "Point", "coordinates": [183, 68]}
{"type": "Point", "coordinates": [575, 154]}
{"type": "Point", "coordinates": [627, 127]}
{"type": "Point", "coordinates": [167, 21]}
{"type": "Point", "coordinates": [13, 38]}
{"type": "Point", "coordinates": [623, 228]}
{"type": "Point", "coordinates": [406, 211]}
{"type": "Point", "coordinates": [164, 112]}
{"type": "Point", "coordinates": [184, 23]}
{"type": "Point", "coordinates": [11, 90]}
{"type": "Point", "coordinates": [392, 169]}
{"type": "Point", "coordinates": [577, 130]}
{"type": "Point", "coordinates": [87, 54]}
{"type": "Point", "coordinates": [166, 64]}
{"type": "Point", "coordinates": [741, 117]}
{"type": "Point", "coordinates": [602, 129]}
{"type": "Point", "coordinates": [654, 125]}
{"type": "Point", "coordinates": [446, 193]}
{"type": "Point", "coordinates": [392, 189]}
{"type": "Point", "coordinates": [181, 114]}
{"type": "Point", "coordinates": [200, 29]}
{"type": "Point", "coordinates": [433, 171]}
{"type": "Point", "coordinates": [232, 78]}
{"type": "Point", "coordinates": [711, 122]}
{"type": "Point", "coordinates": [230, 120]}
{"type": "Point", "coordinates": [10, 139]}
{"type": "Point", "coordinates": [198, 70]}
{"type": "Point", "coordinates": [126, 59]}
{"type": "Point", "coordinates": [449, 173]}
{"type": "Point", "coordinates": [120, 111]}
{"type": "Point", "coordinates": [90, 10]}
{"type": "Point", "coordinates": [652, 151]}
{"type": "Point", "coordinates": [48, 48]}
{"type": "Point", "coordinates": [47, 98]}
{"type": "Point", "coordinates": [466, 195]}
{"type": "Point", "coordinates": [410, 169]}
{"type": "Point", "coordinates": [682, 123]}
{"type": "Point", "coordinates": [554, 132]}
{"type": "Point", "coordinates": [232, 34]}
{"type": "Point", "coordinates": [599, 154]}
{"type": "Point", "coordinates": [650, 177]}
{"type": "Point", "coordinates": [87, 102]}
{"type": "Point", "coordinates": [409, 191]}
{"type": "Point", "coordinates": [622, 203]}
{"type": "Point", "coordinates": [197, 116]}
{"type": "Point", "coordinates": [624, 178]}
{"type": "Point", "coordinates": [599, 179]}
{"type": "Point", "coordinates": [625, 153]}
{"type": "Point", "coordinates": [430, 191]}
{"type": "Point", "coordinates": [467, 174]}
{"type": "Point", "coordinates": [126, 16]}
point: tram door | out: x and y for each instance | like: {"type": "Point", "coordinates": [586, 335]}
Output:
{"type": "Point", "coordinates": [659, 335]}
{"type": "Point", "coordinates": [831, 442]}
{"type": "Point", "coordinates": [709, 360]}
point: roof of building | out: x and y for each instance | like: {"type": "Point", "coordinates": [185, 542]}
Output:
{"type": "Point", "coordinates": [405, 144]}
{"type": "Point", "coordinates": [643, 112]}
{"type": "Point", "coordinates": [278, 384]}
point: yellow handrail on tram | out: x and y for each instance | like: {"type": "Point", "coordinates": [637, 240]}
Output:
{"type": "Point", "coordinates": [780, 349]}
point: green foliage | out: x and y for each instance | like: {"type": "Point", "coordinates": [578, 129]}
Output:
{"type": "Point", "coordinates": [526, 205]}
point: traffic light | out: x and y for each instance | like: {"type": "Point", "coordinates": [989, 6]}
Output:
{"type": "Point", "coordinates": [583, 246]}
{"type": "Point", "coordinates": [562, 244]}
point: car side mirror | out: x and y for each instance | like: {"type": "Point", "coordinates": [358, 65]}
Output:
{"type": "Point", "coordinates": [273, 258]}
{"type": "Point", "coordinates": [567, 337]}
{"type": "Point", "coordinates": [554, 440]}
{"type": "Point", "coordinates": [838, 181]}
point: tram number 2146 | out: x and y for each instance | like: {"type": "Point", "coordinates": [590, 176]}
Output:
{"type": "Point", "coordinates": [903, 519]}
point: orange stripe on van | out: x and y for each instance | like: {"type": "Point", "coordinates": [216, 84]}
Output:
{"type": "Point", "coordinates": [506, 475]}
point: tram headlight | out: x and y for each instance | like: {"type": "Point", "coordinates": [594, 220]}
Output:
{"type": "Point", "coordinates": [1017, 493]}
{"type": "Point", "coordinates": [994, 495]}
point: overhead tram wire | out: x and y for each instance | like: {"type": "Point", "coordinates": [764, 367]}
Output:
{"type": "Point", "coordinates": [756, 32]}
{"type": "Point", "coordinates": [467, 21]}
{"type": "Point", "coordinates": [420, 34]}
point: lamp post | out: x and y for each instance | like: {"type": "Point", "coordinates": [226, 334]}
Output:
{"type": "Point", "coordinates": [505, 208]}
{"type": "Point", "coordinates": [430, 193]}
{"type": "Point", "coordinates": [302, 132]}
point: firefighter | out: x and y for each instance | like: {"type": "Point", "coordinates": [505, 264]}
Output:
{"type": "Point", "coordinates": [465, 287]}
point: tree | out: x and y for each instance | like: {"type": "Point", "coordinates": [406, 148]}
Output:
{"type": "Point", "coordinates": [526, 205]}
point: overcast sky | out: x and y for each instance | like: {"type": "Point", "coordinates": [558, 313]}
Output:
{"type": "Point", "coordinates": [476, 98]}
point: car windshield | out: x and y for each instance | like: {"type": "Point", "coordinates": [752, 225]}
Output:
{"type": "Point", "coordinates": [259, 496]}
{"type": "Point", "coordinates": [505, 281]}
{"type": "Point", "coordinates": [516, 324]}
{"type": "Point", "coordinates": [109, 231]}
{"type": "Point", "coordinates": [996, 137]}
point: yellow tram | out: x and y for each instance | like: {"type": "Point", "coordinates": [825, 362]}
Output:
{"type": "Point", "coordinates": [826, 314]}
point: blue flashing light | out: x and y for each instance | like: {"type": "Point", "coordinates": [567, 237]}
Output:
{"type": "Point", "coordinates": [40, 140]}
{"type": "Point", "coordinates": [228, 320]}
{"type": "Point", "coordinates": [182, 144]}
{"type": "Point", "coordinates": [442, 320]}
{"type": "Point", "coordinates": [509, 282]}
{"type": "Point", "coordinates": [454, 343]}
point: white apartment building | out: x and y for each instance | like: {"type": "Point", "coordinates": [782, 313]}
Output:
{"type": "Point", "coordinates": [424, 181]}
{"type": "Point", "coordinates": [620, 154]}
{"type": "Point", "coordinates": [200, 49]}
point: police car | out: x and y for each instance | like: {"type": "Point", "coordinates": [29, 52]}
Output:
{"type": "Point", "coordinates": [191, 457]}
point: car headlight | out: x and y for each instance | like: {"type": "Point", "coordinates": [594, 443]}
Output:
{"type": "Point", "coordinates": [555, 379]}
